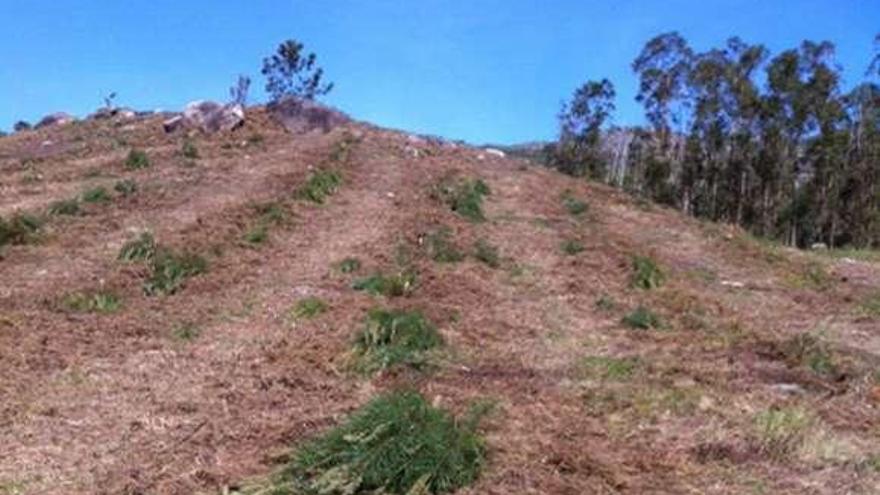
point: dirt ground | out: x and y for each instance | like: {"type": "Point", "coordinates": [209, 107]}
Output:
{"type": "Point", "coordinates": [203, 390]}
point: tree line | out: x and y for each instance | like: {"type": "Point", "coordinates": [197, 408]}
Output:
{"type": "Point", "coordinates": [771, 143]}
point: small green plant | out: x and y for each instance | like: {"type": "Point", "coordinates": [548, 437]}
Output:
{"type": "Point", "coordinates": [97, 194]}
{"type": "Point", "coordinates": [396, 285]}
{"type": "Point", "coordinates": [646, 274]}
{"type": "Point", "coordinates": [141, 248]}
{"type": "Point", "coordinates": [398, 443]}
{"type": "Point", "coordinates": [255, 139]}
{"type": "Point", "coordinates": [349, 265]}
{"type": "Point", "coordinates": [257, 234]}
{"type": "Point", "coordinates": [185, 331]}
{"type": "Point", "coordinates": [572, 247]}
{"type": "Point", "coordinates": [21, 228]}
{"type": "Point", "coordinates": [487, 253]}
{"type": "Point", "coordinates": [169, 271]}
{"type": "Point", "coordinates": [189, 150]}
{"type": "Point", "coordinates": [441, 248]}
{"type": "Point", "coordinates": [320, 185]}
{"type": "Point", "coordinates": [609, 368]}
{"type": "Point", "coordinates": [870, 306]}
{"type": "Point", "coordinates": [307, 308]}
{"type": "Point", "coordinates": [781, 432]}
{"type": "Point", "coordinates": [125, 187]}
{"type": "Point", "coordinates": [137, 159]}
{"type": "Point", "coordinates": [96, 302]}
{"type": "Point", "coordinates": [809, 350]}
{"type": "Point", "coordinates": [270, 213]}
{"type": "Point", "coordinates": [393, 337]}
{"type": "Point", "coordinates": [67, 207]}
{"type": "Point", "coordinates": [642, 319]}
{"type": "Point", "coordinates": [606, 303]}
{"type": "Point", "coordinates": [573, 205]}
{"type": "Point", "coordinates": [464, 197]}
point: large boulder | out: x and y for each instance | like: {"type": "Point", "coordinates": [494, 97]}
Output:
{"type": "Point", "coordinates": [300, 116]}
{"type": "Point", "coordinates": [209, 116]}
{"type": "Point", "coordinates": [59, 118]}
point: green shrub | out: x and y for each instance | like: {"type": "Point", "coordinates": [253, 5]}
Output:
{"type": "Point", "coordinates": [609, 368]}
{"type": "Point", "coordinates": [573, 205]}
{"type": "Point", "coordinates": [65, 207]}
{"type": "Point", "coordinates": [97, 302]}
{"type": "Point", "coordinates": [394, 337]}
{"type": "Point", "coordinates": [309, 307]}
{"type": "Point", "coordinates": [97, 194]}
{"type": "Point", "coordinates": [396, 444]}
{"type": "Point", "coordinates": [320, 185]}
{"type": "Point", "coordinates": [808, 350]}
{"type": "Point", "coordinates": [189, 150]}
{"type": "Point", "coordinates": [642, 319]}
{"type": "Point", "coordinates": [606, 303]}
{"type": "Point", "coordinates": [257, 234]}
{"type": "Point", "coordinates": [646, 274]}
{"type": "Point", "coordinates": [441, 248]}
{"type": "Point", "coordinates": [141, 248]}
{"type": "Point", "coordinates": [137, 159]}
{"type": "Point", "coordinates": [349, 265]}
{"type": "Point", "coordinates": [464, 197]}
{"type": "Point", "coordinates": [390, 286]}
{"type": "Point", "coordinates": [21, 228]}
{"type": "Point", "coordinates": [572, 247]}
{"type": "Point", "coordinates": [185, 331]}
{"type": "Point", "coordinates": [170, 270]}
{"type": "Point", "coordinates": [125, 187]}
{"type": "Point", "coordinates": [487, 253]}
{"type": "Point", "coordinates": [780, 432]}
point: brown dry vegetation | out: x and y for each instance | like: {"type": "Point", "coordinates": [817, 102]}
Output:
{"type": "Point", "coordinates": [206, 389]}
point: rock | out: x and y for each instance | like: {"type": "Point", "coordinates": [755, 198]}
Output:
{"type": "Point", "coordinates": [495, 152]}
{"type": "Point", "coordinates": [108, 113]}
{"type": "Point", "coordinates": [59, 118]}
{"type": "Point", "coordinates": [301, 116]}
{"type": "Point", "coordinates": [208, 116]}
{"type": "Point", "coordinates": [733, 283]}
{"type": "Point", "coordinates": [819, 246]}
{"type": "Point", "coordinates": [788, 388]}
{"type": "Point", "coordinates": [173, 124]}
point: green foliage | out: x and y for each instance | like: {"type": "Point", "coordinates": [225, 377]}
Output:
{"type": "Point", "coordinates": [809, 350]}
{"type": "Point", "coordinates": [464, 197]}
{"type": "Point", "coordinates": [487, 253]}
{"type": "Point", "coordinates": [97, 194]}
{"type": "Point", "coordinates": [396, 285]}
{"type": "Point", "coordinates": [185, 331]}
{"type": "Point", "coordinates": [441, 248]}
{"type": "Point", "coordinates": [392, 337]}
{"type": "Point", "coordinates": [257, 234]}
{"type": "Point", "coordinates": [573, 205]}
{"type": "Point", "coordinates": [307, 308]}
{"type": "Point", "coordinates": [292, 72]}
{"type": "Point", "coordinates": [67, 207]}
{"type": "Point", "coordinates": [396, 444]}
{"type": "Point", "coordinates": [642, 319]}
{"type": "Point", "coordinates": [21, 228]}
{"type": "Point", "coordinates": [189, 150]}
{"type": "Point", "coordinates": [780, 432]}
{"type": "Point", "coordinates": [320, 185]}
{"type": "Point", "coordinates": [572, 247]}
{"type": "Point", "coordinates": [141, 248]}
{"type": "Point", "coordinates": [609, 368]}
{"type": "Point", "coordinates": [137, 159]}
{"type": "Point", "coordinates": [606, 303]}
{"type": "Point", "coordinates": [169, 271]}
{"type": "Point", "coordinates": [578, 152]}
{"type": "Point", "coordinates": [125, 187]}
{"type": "Point", "coordinates": [97, 302]}
{"type": "Point", "coordinates": [646, 274]}
{"type": "Point", "coordinates": [349, 265]}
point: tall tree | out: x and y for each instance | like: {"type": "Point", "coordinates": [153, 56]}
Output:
{"type": "Point", "coordinates": [580, 122]}
{"type": "Point", "coordinates": [292, 72]}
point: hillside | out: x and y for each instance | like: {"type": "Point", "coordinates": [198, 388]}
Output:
{"type": "Point", "coordinates": [739, 367]}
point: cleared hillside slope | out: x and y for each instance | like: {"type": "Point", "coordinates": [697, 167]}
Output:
{"type": "Point", "coordinates": [759, 377]}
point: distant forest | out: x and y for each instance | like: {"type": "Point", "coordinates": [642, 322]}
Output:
{"type": "Point", "coordinates": [736, 134]}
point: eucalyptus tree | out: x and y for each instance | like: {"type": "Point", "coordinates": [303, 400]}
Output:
{"type": "Point", "coordinates": [580, 124]}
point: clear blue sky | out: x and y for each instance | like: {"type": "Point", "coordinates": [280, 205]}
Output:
{"type": "Point", "coordinates": [484, 71]}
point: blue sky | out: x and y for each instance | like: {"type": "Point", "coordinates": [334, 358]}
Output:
{"type": "Point", "coordinates": [484, 71]}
